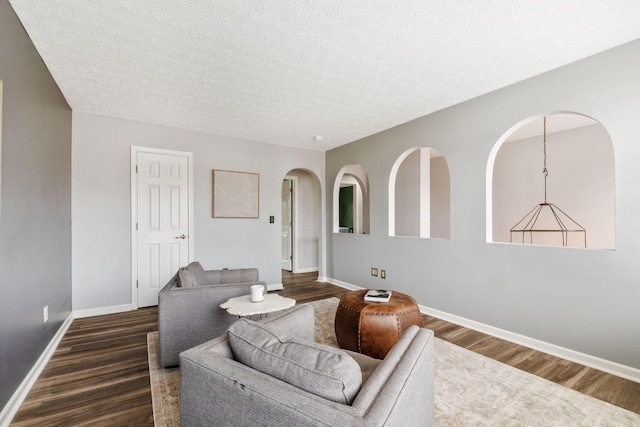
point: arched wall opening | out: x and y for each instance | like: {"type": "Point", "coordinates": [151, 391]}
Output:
{"type": "Point", "coordinates": [301, 222]}
{"type": "Point", "coordinates": [420, 195]}
{"type": "Point", "coordinates": [580, 184]}
{"type": "Point", "coordinates": [351, 201]}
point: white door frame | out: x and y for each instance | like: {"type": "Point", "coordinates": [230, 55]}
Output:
{"type": "Point", "coordinates": [289, 227]}
{"type": "Point", "coordinates": [134, 211]}
{"type": "Point", "coordinates": [294, 225]}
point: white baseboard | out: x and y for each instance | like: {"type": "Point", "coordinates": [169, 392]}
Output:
{"type": "Point", "coordinates": [608, 366]}
{"type": "Point", "coordinates": [343, 284]}
{"type": "Point", "coordinates": [306, 270]}
{"type": "Point", "coordinates": [604, 365]}
{"type": "Point", "coordinates": [11, 408]}
{"type": "Point", "coordinates": [275, 287]}
{"type": "Point", "coordinates": [322, 279]}
{"type": "Point", "coordinates": [99, 311]}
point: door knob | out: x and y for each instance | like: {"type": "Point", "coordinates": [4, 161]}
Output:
{"type": "Point", "coordinates": [181, 237]}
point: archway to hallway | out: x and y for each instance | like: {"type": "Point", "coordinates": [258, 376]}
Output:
{"type": "Point", "coordinates": [301, 224]}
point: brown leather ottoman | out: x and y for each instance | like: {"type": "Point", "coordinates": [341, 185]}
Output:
{"type": "Point", "coordinates": [372, 328]}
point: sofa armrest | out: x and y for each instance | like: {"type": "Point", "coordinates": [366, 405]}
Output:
{"type": "Point", "coordinates": [401, 390]}
{"type": "Point", "coordinates": [190, 316]}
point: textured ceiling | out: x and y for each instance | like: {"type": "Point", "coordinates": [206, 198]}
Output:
{"type": "Point", "coordinates": [283, 71]}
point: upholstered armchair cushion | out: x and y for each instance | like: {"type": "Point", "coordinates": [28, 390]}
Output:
{"type": "Point", "coordinates": [319, 369]}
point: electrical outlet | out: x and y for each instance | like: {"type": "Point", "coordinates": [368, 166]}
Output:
{"type": "Point", "coordinates": [45, 312]}
{"type": "Point", "coordinates": [383, 274]}
{"type": "Point", "coordinates": [374, 272]}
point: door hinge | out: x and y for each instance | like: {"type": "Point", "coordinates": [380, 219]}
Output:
{"type": "Point", "coordinates": [291, 257]}
{"type": "Point", "coordinates": [136, 226]}
{"type": "Point", "coordinates": [136, 168]}
{"type": "Point", "coordinates": [137, 284]}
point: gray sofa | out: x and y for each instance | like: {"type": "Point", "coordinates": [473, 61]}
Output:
{"type": "Point", "coordinates": [216, 389]}
{"type": "Point", "coordinates": [189, 310]}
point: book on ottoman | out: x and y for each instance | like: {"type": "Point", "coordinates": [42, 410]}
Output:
{"type": "Point", "coordinates": [377, 295]}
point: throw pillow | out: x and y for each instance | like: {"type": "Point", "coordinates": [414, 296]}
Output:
{"type": "Point", "coordinates": [319, 369]}
{"type": "Point", "coordinates": [185, 277]}
{"type": "Point", "coordinates": [192, 275]}
{"type": "Point", "coordinates": [198, 273]}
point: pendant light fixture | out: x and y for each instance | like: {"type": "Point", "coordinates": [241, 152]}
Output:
{"type": "Point", "coordinates": [546, 221]}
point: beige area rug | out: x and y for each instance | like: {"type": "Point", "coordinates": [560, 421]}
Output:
{"type": "Point", "coordinates": [471, 390]}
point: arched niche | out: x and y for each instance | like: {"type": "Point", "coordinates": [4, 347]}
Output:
{"type": "Point", "coordinates": [419, 195]}
{"type": "Point", "coordinates": [574, 205]}
{"type": "Point", "coordinates": [351, 200]}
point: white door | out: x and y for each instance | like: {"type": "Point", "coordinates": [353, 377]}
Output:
{"type": "Point", "coordinates": [287, 225]}
{"type": "Point", "coordinates": [162, 221]}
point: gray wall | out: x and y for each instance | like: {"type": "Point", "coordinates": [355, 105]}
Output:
{"type": "Point", "coordinates": [584, 300]}
{"type": "Point", "coordinates": [440, 199]}
{"type": "Point", "coordinates": [35, 222]}
{"type": "Point", "coordinates": [408, 196]}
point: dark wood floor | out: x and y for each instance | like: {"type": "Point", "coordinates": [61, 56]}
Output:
{"type": "Point", "coordinates": [99, 374]}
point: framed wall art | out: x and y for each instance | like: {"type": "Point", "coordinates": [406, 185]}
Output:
{"type": "Point", "coordinates": [236, 194]}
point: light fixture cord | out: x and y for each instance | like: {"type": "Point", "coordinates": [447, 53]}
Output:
{"type": "Point", "coordinates": [544, 149]}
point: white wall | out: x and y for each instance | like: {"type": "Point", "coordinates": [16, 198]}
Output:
{"type": "Point", "coordinates": [583, 300]}
{"type": "Point", "coordinates": [580, 182]}
{"type": "Point", "coordinates": [101, 203]}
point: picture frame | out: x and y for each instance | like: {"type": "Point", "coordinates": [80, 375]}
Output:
{"type": "Point", "coordinates": [235, 194]}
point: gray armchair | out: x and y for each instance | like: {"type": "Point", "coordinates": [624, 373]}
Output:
{"type": "Point", "coordinates": [218, 390]}
{"type": "Point", "coordinates": [189, 310]}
